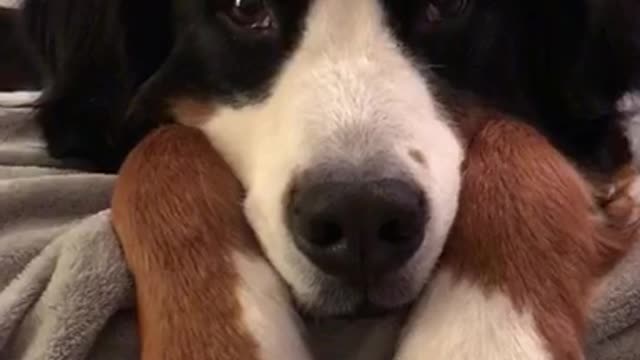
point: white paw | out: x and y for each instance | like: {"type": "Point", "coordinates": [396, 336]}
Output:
{"type": "Point", "coordinates": [267, 311]}
{"type": "Point", "coordinates": [458, 320]}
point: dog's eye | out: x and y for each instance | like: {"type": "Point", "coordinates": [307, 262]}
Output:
{"type": "Point", "coordinates": [437, 11]}
{"type": "Point", "coordinates": [251, 14]}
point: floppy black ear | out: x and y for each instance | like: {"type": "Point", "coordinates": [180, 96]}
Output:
{"type": "Point", "coordinates": [611, 71]}
{"type": "Point", "coordinates": [183, 75]}
{"type": "Point", "coordinates": [592, 60]}
{"type": "Point", "coordinates": [615, 45]}
{"type": "Point", "coordinates": [94, 54]}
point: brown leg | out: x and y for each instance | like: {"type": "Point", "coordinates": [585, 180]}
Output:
{"type": "Point", "coordinates": [204, 290]}
{"type": "Point", "coordinates": [529, 244]}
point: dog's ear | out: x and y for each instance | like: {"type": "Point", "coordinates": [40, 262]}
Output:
{"type": "Point", "coordinates": [177, 84]}
{"type": "Point", "coordinates": [94, 54]}
{"type": "Point", "coordinates": [613, 57]}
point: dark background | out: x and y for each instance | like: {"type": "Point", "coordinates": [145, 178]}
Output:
{"type": "Point", "coordinates": [17, 71]}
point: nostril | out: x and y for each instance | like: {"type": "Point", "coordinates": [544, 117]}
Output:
{"type": "Point", "coordinates": [325, 233]}
{"type": "Point", "coordinates": [399, 231]}
{"type": "Point", "coordinates": [406, 224]}
{"type": "Point", "coordinates": [391, 231]}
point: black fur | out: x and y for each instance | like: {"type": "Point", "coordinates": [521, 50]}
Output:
{"type": "Point", "coordinates": [112, 65]}
{"type": "Point", "coordinates": [94, 55]}
{"type": "Point", "coordinates": [562, 65]}
{"type": "Point", "coordinates": [17, 71]}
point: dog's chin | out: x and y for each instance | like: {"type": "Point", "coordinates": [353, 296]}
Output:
{"type": "Point", "coordinates": [347, 302]}
{"type": "Point", "coordinates": [368, 310]}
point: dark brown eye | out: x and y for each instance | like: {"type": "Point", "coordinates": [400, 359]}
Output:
{"type": "Point", "coordinates": [441, 10]}
{"type": "Point", "coordinates": [251, 14]}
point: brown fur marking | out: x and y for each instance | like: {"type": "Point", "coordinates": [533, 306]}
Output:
{"type": "Point", "coordinates": [191, 112]}
{"type": "Point", "coordinates": [177, 212]}
{"type": "Point", "coordinates": [528, 224]}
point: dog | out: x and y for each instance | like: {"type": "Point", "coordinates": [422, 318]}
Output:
{"type": "Point", "coordinates": [326, 109]}
{"type": "Point", "coordinates": [531, 240]}
{"type": "Point", "coordinates": [301, 112]}
{"type": "Point", "coordinates": [109, 62]}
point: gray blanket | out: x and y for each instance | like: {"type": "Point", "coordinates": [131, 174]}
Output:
{"type": "Point", "coordinates": [65, 292]}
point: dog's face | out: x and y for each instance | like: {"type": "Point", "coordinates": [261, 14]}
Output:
{"type": "Point", "coordinates": [329, 119]}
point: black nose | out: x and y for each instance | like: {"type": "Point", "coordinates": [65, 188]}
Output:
{"type": "Point", "coordinates": [358, 231]}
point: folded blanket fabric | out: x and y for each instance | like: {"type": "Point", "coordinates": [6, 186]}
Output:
{"type": "Point", "coordinates": [9, 3]}
{"type": "Point", "coordinates": [65, 292]}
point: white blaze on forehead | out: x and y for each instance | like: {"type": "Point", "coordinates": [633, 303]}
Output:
{"type": "Point", "coordinates": [348, 25]}
{"type": "Point", "coordinates": [347, 71]}
{"type": "Point", "coordinates": [350, 93]}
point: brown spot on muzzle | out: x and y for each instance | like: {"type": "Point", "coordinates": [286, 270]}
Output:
{"type": "Point", "coordinates": [177, 212]}
{"type": "Point", "coordinates": [418, 156]}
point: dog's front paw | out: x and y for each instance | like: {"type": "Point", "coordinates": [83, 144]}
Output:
{"type": "Point", "coordinates": [204, 289]}
{"type": "Point", "coordinates": [267, 313]}
{"type": "Point", "coordinates": [458, 320]}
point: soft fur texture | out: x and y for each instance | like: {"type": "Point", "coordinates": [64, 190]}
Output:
{"type": "Point", "coordinates": [562, 65]}
{"type": "Point", "coordinates": [511, 284]}
{"type": "Point", "coordinates": [207, 296]}
{"type": "Point", "coordinates": [348, 106]}
{"type": "Point", "coordinates": [299, 97]}
{"type": "Point", "coordinates": [39, 201]}
{"type": "Point", "coordinates": [361, 90]}
{"type": "Point", "coordinates": [531, 243]}
{"type": "Point", "coordinates": [357, 92]}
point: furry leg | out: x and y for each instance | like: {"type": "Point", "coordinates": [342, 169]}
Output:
{"type": "Point", "coordinates": [204, 289]}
